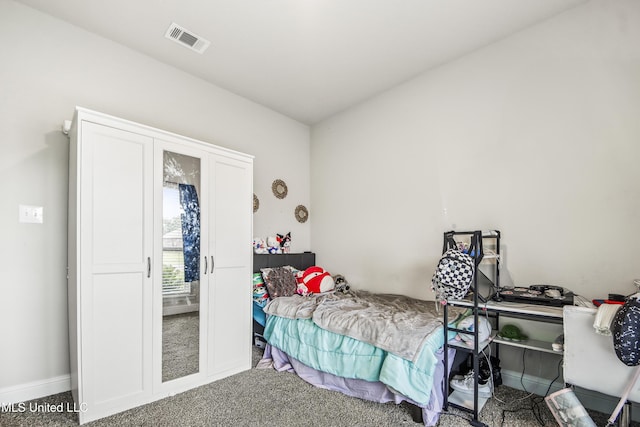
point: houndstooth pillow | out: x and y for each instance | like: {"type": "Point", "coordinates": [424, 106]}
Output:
{"type": "Point", "coordinates": [453, 275]}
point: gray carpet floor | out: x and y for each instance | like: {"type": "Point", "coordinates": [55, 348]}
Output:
{"type": "Point", "coordinates": [264, 397]}
{"type": "Point", "coordinates": [180, 345]}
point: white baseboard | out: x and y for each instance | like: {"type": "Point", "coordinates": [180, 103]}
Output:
{"type": "Point", "coordinates": [589, 399]}
{"type": "Point", "coordinates": [35, 389]}
{"type": "Point", "coordinates": [531, 383]}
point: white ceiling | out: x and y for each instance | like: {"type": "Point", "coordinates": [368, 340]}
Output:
{"type": "Point", "coordinates": [307, 59]}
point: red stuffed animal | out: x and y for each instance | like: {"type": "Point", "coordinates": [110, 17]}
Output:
{"type": "Point", "coordinates": [314, 280]}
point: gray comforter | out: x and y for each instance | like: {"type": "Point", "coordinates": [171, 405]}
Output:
{"type": "Point", "coordinates": [394, 323]}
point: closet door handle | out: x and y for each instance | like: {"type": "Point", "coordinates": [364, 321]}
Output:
{"type": "Point", "coordinates": [205, 265]}
{"type": "Point", "coordinates": [148, 266]}
{"type": "Point", "coordinates": [212, 264]}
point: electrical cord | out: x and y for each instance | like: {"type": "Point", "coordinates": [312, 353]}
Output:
{"type": "Point", "coordinates": [536, 401]}
{"type": "Point", "coordinates": [505, 411]}
{"type": "Point", "coordinates": [523, 369]}
{"type": "Point", "coordinates": [539, 400]}
{"type": "Point", "coordinates": [488, 359]}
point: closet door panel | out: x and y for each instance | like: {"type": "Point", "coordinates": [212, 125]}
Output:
{"type": "Point", "coordinates": [230, 297]}
{"type": "Point", "coordinates": [120, 352]}
{"type": "Point", "coordinates": [116, 253]}
{"type": "Point", "coordinates": [118, 195]}
{"type": "Point", "coordinates": [230, 345]}
{"type": "Point", "coordinates": [233, 188]}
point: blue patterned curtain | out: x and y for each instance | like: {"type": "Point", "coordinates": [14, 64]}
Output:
{"type": "Point", "coordinates": [190, 217]}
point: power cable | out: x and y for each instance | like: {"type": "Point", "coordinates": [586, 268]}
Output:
{"type": "Point", "coordinates": [536, 401]}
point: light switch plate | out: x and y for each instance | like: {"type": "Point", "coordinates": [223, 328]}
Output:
{"type": "Point", "coordinates": [31, 214]}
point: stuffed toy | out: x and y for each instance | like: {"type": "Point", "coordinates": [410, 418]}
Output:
{"type": "Point", "coordinates": [259, 247]}
{"type": "Point", "coordinates": [273, 246]}
{"type": "Point", "coordinates": [285, 242]}
{"type": "Point", "coordinates": [341, 283]}
{"type": "Point", "coordinates": [314, 280]}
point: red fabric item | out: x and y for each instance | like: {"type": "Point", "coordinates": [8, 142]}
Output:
{"type": "Point", "coordinates": [599, 302]}
{"type": "Point", "coordinates": [314, 280]}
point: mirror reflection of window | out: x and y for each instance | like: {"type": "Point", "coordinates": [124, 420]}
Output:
{"type": "Point", "coordinates": [172, 255]}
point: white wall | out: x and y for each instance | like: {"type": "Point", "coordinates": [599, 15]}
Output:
{"type": "Point", "coordinates": [49, 67]}
{"type": "Point", "coordinates": [537, 136]}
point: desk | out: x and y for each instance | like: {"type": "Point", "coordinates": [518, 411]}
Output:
{"type": "Point", "coordinates": [590, 360]}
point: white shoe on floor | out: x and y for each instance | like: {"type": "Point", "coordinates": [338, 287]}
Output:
{"type": "Point", "coordinates": [465, 385]}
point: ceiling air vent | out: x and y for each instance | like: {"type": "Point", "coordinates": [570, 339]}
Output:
{"type": "Point", "coordinates": [186, 38]}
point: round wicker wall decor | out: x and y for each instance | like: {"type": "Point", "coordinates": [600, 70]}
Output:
{"type": "Point", "coordinates": [301, 213]}
{"type": "Point", "coordinates": [279, 189]}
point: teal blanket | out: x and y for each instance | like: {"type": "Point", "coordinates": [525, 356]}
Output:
{"type": "Point", "coordinates": [347, 357]}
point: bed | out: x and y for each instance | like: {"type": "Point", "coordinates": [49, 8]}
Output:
{"type": "Point", "coordinates": [378, 347]}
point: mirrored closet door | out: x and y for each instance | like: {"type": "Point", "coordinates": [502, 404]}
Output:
{"type": "Point", "coordinates": [183, 268]}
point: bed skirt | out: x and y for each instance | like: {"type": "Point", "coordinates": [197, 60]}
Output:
{"type": "Point", "coordinates": [374, 391]}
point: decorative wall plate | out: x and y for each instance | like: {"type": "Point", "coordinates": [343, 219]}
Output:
{"type": "Point", "coordinates": [301, 213]}
{"type": "Point", "coordinates": [279, 189]}
{"type": "Point", "coordinates": [256, 203]}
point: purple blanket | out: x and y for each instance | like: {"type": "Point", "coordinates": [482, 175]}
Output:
{"type": "Point", "coordinates": [373, 391]}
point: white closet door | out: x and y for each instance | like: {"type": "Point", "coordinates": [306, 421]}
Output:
{"type": "Point", "coordinates": [115, 246]}
{"type": "Point", "coordinates": [230, 239]}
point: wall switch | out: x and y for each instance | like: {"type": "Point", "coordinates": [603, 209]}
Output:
{"type": "Point", "coordinates": [31, 214]}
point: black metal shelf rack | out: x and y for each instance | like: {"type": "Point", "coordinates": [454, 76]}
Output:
{"type": "Point", "coordinates": [476, 251]}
